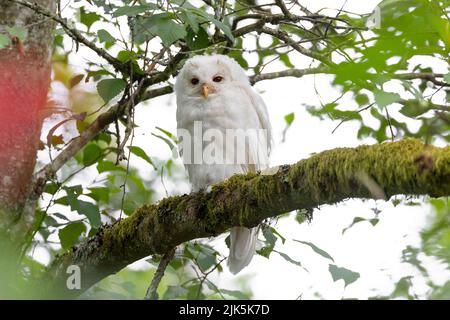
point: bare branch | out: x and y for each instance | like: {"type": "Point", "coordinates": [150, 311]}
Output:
{"type": "Point", "coordinates": [431, 105]}
{"type": "Point", "coordinates": [284, 9]}
{"type": "Point", "coordinates": [285, 38]}
{"type": "Point", "coordinates": [152, 293]}
{"type": "Point", "coordinates": [75, 34]}
{"type": "Point", "coordinates": [297, 73]}
{"type": "Point", "coordinates": [432, 77]}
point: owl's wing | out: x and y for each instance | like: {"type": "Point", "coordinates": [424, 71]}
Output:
{"type": "Point", "coordinates": [264, 143]}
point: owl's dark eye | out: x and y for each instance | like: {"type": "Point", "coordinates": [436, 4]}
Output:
{"type": "Point", "coordinates": [194, 81]}
{"type": "Point", "coordinates": [217, 79]}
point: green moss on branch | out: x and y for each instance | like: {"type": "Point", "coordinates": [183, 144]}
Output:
{"type": "Point", "coordinates": [380, 171]}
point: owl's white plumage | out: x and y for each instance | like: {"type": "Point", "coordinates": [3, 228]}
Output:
{"type": "Point", "coordinates": [228, 104]}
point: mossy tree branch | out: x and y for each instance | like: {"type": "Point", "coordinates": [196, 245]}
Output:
{"type": "Point", "coordinates": [380, 171]}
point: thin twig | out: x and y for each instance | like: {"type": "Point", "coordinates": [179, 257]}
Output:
{"type": "Point", "coordinates": [344, 120]}
{"type": "Point", "coordinates": [285, 38]}
{"type": "Point", "coordinates": [432, 77]}
{"type": "Point", "coordinates": [165, 260]}
{"type": "Point", "coordinates": [206, 274]}
{"type": "Point", "coordinates": [388, 117]}
{"type": "Point", "coordinates": [284, 9]}
{"type": "Point", "coordinates": [74, 34]}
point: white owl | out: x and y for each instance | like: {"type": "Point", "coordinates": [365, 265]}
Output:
{"type": "Point", "coordinates": [224, 128]}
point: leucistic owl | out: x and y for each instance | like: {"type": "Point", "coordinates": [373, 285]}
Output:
{"type": "Point", "coordinates": [224, 129]}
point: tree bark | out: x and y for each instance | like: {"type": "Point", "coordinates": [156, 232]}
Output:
{"type": "Point", "coordinates": [25, 68]}
{"type": "Point", "coordinates": [372, 172]}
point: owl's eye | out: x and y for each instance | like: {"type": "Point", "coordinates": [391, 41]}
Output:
{"type": "Point", "coordinates": [194, 81]}
{"type": "Point", "coordinates": [217, 79]}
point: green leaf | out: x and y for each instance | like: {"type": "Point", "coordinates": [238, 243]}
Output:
{"type": "Point", "coordinates": [235, 294]}
{"type": "Point", "coordinates": [72, 198]}
{"type": "Point", "coordinates": [88, 18]}
{"type": "Point", "coordinates": [289, 259]}
{"type": "Point", "coordinates": [300, 217]}
{"type": "Point", "coordinates": [105, 36]}
{"type": "Point", "coordinates": [195, 291]}
{"type": "Point", "coordinates": [96, 74]}
{"type": "Point", "coordinates": [87, 209]}
{"type": "Point", "coordinates": [133, 10]}
{"type": "Point", "coordinates": [402, 288]}
{"type": "Point", "coordinates": [126, 56]}
{"type": "Point", "coordinates": [191, 20]}
{"type": "Point", "coordinates": [167, 141]}
{"type": "Point", "coordinates": [171, 32]}
{"type": "Point", "coordinates": [414, 108]}
{"type": "Point", "coordinates": [225, 28]}
{"type": "Point", "coordinates": [60, 216]}
{"type": "Point", "coordinates": [284, 57]}
{"type": "Point", "coordinates": [357, 220]}
{"type": "Point", "coordinates": [100, 193]}
{"type": "Point", "coordinates": [164, 27]}
{"type": "Point", "coordinates": [105, 137]}
{"type": "Point", "coordinates": [361, 99]}
{"type": "Point", "coordinates": [339, 273]}
{"type": "Point", "coordinates": [173, 292]}
{"type": "Point", "coordinates": [206, 261]}
{"type": "Point", "coordinates": [270, 237]}
{"type": "Point", "coordinates": [384, 99]}
{"type": "Point", "coordinates": [289, 118]}
{"type": "Point", "coordinates": [219, 24]}
{"type": "Point", "coordinates": [19, 32]}
{"type": "Point", "coordinates": [70, 234]}
{"type": "Point", "coordinates": [447, 78]}
{"type": "Point", "coordinates": [168, 134]}
{"type": "Point", "coordinates": [364, 131]}
{"type": "Point", "coordinates": [51, 187]}
{"type": "Point", "coordinates": [139, 152]}
{"type": "Point", "coordinates": [110, 88]}
{"type": "Point", "coordinates": [265, 251]}
{"type": "Point", "coordinates": [268, 233]}
{"type": "Point", "coordinates": [203, 255]}
{"type": "Point", "coordinates": [197, 41]}
{"type": "Point", "coordinates": [104, 166]}
{"type": "Point", "coordinates": [91, 211]}
{"type": "Point", "coordinates": [316, 249]}
{"type": "Point", "coordinates": [274, 231]}
{"type": "Point", "coordinates": [5, 41]}
{"type": "Point", "coordinates": [442, 293]}
{"type": "Point", "coordinates": [91, 154]}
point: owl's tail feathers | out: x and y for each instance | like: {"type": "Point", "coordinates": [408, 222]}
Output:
{"type": "Point", "coordinates": [242, 247]}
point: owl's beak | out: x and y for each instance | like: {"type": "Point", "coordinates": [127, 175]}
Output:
{"type": "Point", "coordinates": [205, 90]}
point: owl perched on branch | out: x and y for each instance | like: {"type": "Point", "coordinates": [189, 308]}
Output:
{"type": "Point", "coordinates": [224, 129]}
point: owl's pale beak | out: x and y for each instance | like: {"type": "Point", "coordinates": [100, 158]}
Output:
{"type": "Point", "coordinates": [205, 90]}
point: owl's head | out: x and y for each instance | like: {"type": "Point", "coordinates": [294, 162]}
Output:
{"type": "Point", "coordinates": [209, 75]}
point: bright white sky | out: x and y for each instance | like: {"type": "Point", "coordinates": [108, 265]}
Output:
{"type": "Point", "coordinates": [374, 252]}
